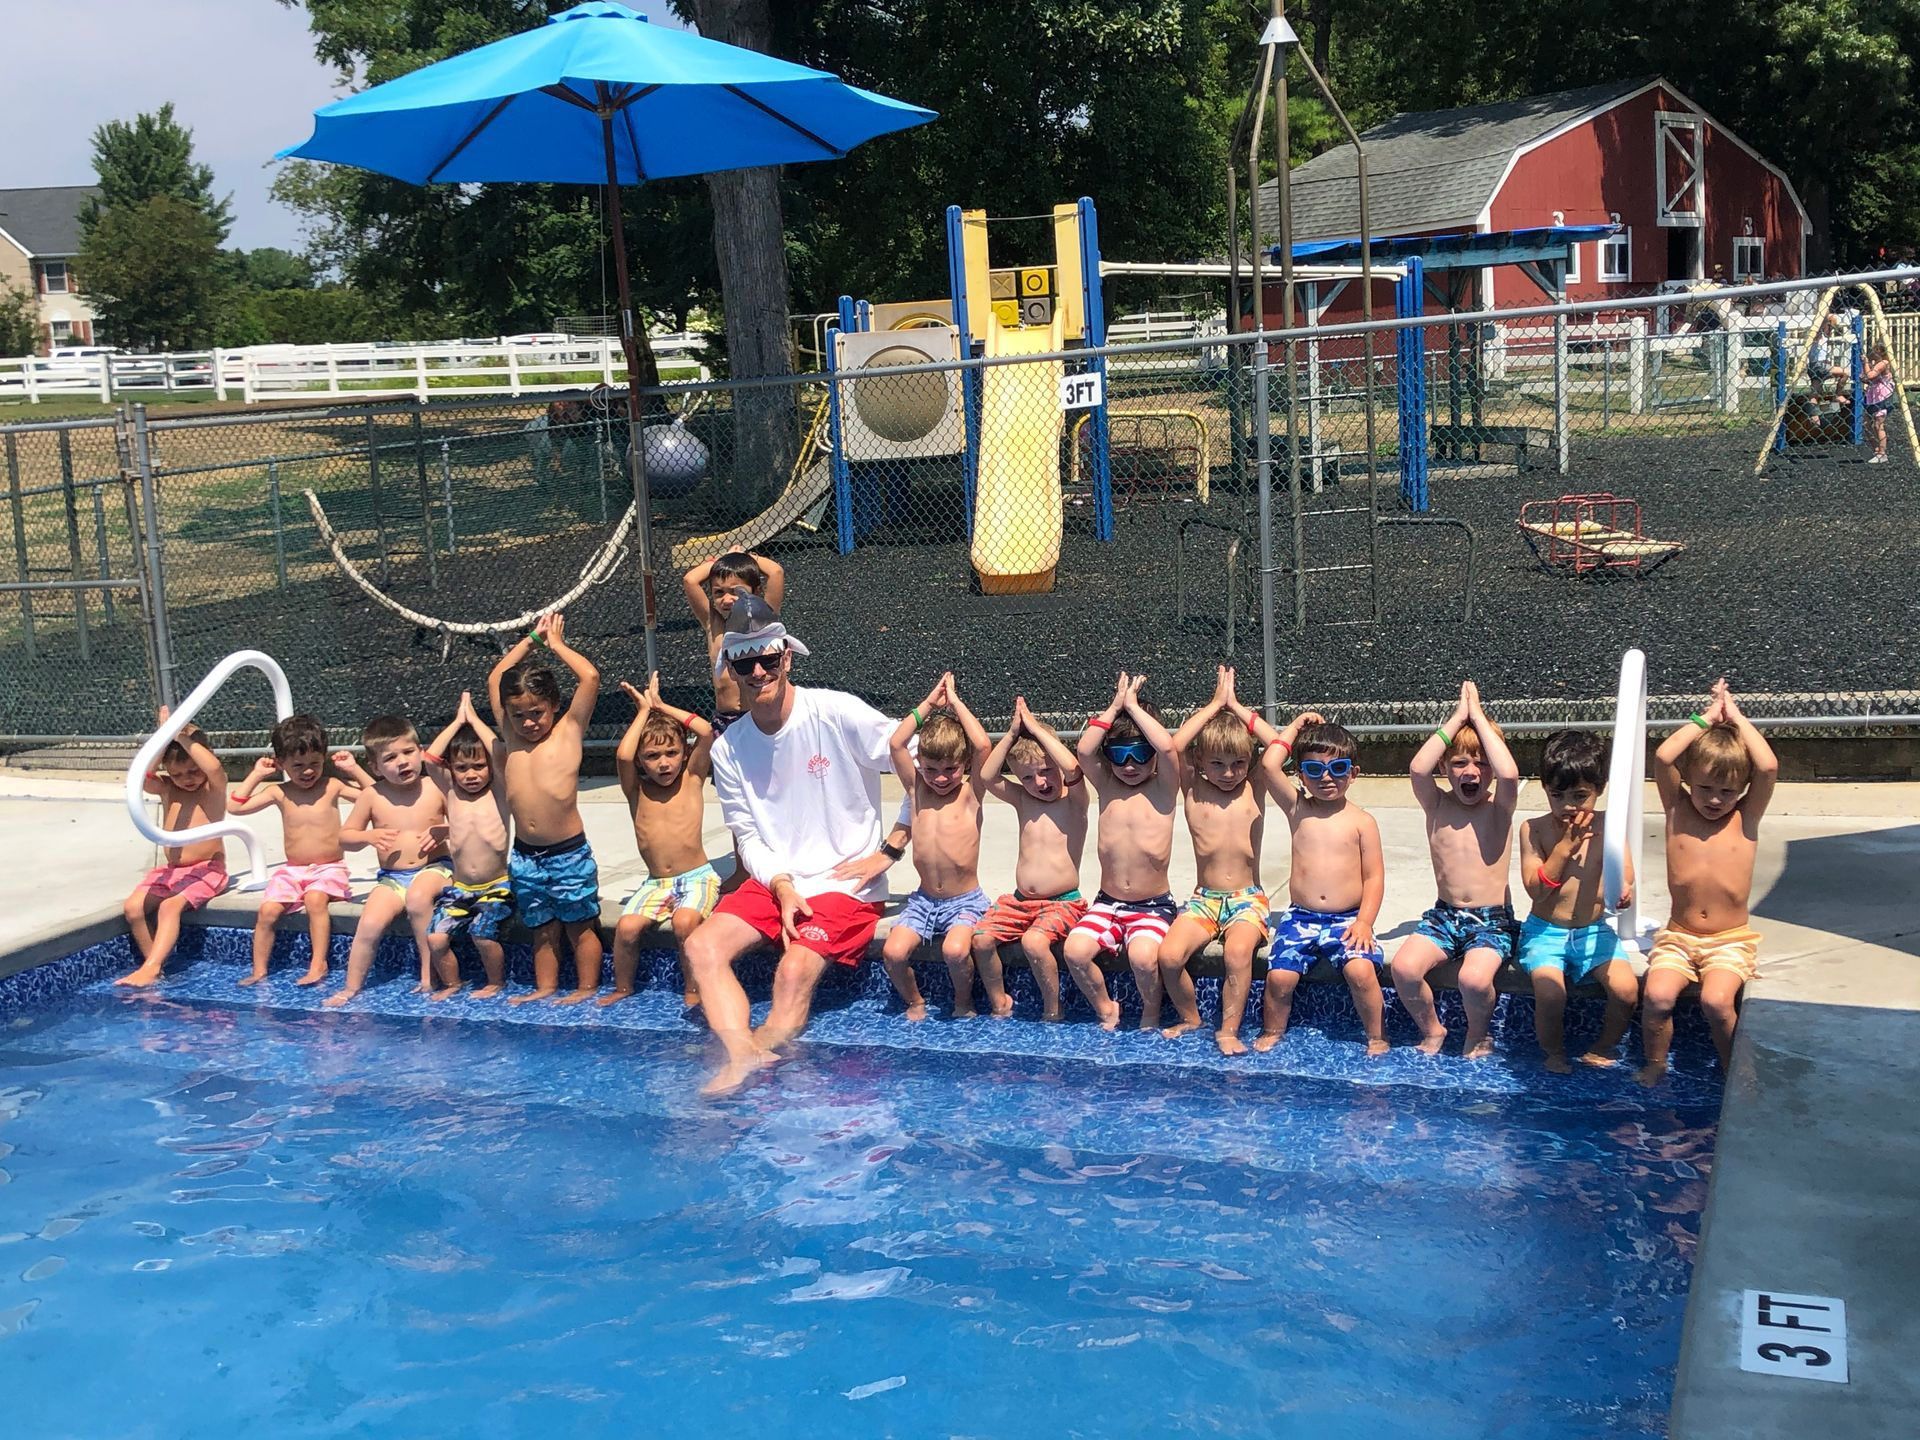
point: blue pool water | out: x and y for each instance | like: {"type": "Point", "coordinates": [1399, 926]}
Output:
{"type": "Point", "coordinates": [224, 1210]}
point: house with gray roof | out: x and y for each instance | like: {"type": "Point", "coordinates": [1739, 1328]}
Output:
{"type": "Point", "coordinates": [1689, 197]}
{"type": "Point", "coordinates": [39, 240]}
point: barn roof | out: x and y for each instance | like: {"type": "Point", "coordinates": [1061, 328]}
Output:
{"type": "Point", "coordinates": [1429, 170]}
{"type": "Point", "coordinates": [45, 220]}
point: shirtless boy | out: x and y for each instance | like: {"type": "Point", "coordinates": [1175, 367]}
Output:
{"type": "Point", "coordinates": [1716, 774]}
{"type": "Point", "coordinates": [314, 873]}
{"type": "Point", "coordinates": [1136, 783]}
{"type": "Point", "coordinates": [1226, 817]}
{"type": "Point", "coordinates": [1336, 882]}
{"type": "Point", "coordinates": [1470, 835]}
{"type": "Point", "coordinates": [712, 587]}
{"type": "Point", "coordinates": [945, 783]}
{"type": "Point", "coordinates": [556, 885]}
{"type": "Point", "coordinates": [403, 817]}
{"type": "Point", "coordinates": [1049, 796]}
{"type": "Point", "coordinates": [663, 761]}
{"type": "Point", "coordinates": [477, 901]}
{"type": "Point", "coordinates": [192, 788]}
{"type": "Point", "coordinates": [1568, 938]}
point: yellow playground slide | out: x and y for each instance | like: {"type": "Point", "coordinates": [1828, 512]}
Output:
{"type": "Point", "coordinates": [1016, 508]}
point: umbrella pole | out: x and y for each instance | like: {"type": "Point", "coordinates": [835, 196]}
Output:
{"type": "Point", "coordinates": [630, 342]}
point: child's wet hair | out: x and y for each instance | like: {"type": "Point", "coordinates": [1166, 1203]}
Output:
{"type": "Point", "coordinates": [466, 744]}
{"type": "Point", "coordinates": [659, 729]}
{"type": "Point", "coordinates": [177, 751]}
{"type": "Point", "coordinates": [381, 731]}
{"type": "Point", "coordinates": [1026, 751]}
{"type": "Point", "coordinates": [1124, 729]}
{"type": "Point", "coordinates": [1225, 737]}
{"type": "Point", "coordinates": [1574, 758]}
{"type": "Point", "coordinates": [943, 740]}
{"type": "Point", "coordinates": [1466, 742]}
{"type": "Point", "coordinates": [1324, 740]}
{"type": "Point", "coordinates": [1720, 756]}
{"type": "Point", "coordinates": [738, 565]}
{"type": "Point", "coordinates": [531, 677]}
{"type": "Point", "coordinates": [297, 735]}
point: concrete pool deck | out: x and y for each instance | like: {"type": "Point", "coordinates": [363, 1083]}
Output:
{"type": "Point", "coordinates": [1817, 1163]}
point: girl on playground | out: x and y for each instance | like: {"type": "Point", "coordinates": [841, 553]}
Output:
{"type": "Point", "coordinates": [1878, 397]}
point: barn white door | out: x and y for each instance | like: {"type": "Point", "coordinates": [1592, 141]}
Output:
{"type": "Point", "coordinates": [1679, 168]}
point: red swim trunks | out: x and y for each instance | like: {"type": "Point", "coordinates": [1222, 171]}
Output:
{"type": "Point", "coordinates": [199, 882]}
{"type": "Point", "coordinates": [839, 929]}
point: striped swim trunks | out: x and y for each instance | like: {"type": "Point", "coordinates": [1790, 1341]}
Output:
{"type": "Point", "coordinates": [1117, 923]}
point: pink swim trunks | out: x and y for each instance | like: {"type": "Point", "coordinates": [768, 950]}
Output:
{"type": "Point", "coordinates": [198, 882]}
{"type": "Point", "coordinates": [288, 883]}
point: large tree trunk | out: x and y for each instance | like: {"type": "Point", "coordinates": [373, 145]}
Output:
{"type": "Point", "coordinates": [749, 242]}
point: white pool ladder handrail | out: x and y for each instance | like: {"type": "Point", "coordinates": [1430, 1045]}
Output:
{"type": "Point", "coordinates": [1626, 828]}
{"type": "Point", "coordinates": [149, 757]}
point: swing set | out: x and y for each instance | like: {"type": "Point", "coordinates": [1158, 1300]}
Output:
{"type": "Point", "coordinates": [1788, 380]}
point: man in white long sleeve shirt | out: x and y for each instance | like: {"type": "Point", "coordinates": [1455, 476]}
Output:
{"type": "Point", "coordinates": [799, 785]}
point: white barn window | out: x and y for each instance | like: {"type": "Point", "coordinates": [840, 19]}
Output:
{"type": "Point", "coordinates": [1616, 257]}
{"type": "Point", "coordinates": [1749, 258]}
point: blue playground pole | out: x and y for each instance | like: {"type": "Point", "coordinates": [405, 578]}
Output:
{"type": "Point", "coordinates": [837, 464]}
{"type": "Point", "coordinates": [1780, 386]}
{"type": "Point", "coordinates": [1859, 369]}
{"type": "Point", "coordinates": [849, 315]}
{"type": "Point", "coordinates": [969, 377]}
{"type": "Point", "coordinates": [1410, 302]}
{"type": "Point", "coordinates": [1094, 302]}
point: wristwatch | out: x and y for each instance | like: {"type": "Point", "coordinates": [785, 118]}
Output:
{"type": "Point", "coordinates": [892, 851]}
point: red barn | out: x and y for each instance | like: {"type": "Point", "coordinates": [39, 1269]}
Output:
{"type": "Point", "coordinates": [1690, 196]}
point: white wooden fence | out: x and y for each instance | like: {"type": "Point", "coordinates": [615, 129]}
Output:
{"type": "Point", "coordinates": [348, 372]}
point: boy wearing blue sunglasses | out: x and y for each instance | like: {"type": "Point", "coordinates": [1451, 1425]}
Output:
{"type": "Point", "coordinates": [1336, 883]}
{"type": "Point", "coordinates": [1136, 785]}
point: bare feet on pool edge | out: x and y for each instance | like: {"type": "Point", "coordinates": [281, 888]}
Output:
{"type": "Point", "coordinates": [577, 997]}
{"type": "Point", "coordinates": [1002, 1008]}
{"type": "Point", "coordinates": [140, 979]}
{"type": "Point", "coordinates": [1377, 1048]}
{"type": "Point", "coordinates": [1108, 1015]}
{"type": "Point", "coordinates": [1267, 1039]}
{"type": "Point", "coordinates": [737, 1071]}
{"type": "Point", "coordinates": [1054, 1016]}
{"type": "Point", "coordinates": [917, 1013]}
{"type": "Point", "coordinates": [689, 997]}
{"type": "Point", "coordinates": [1600, 1060]}
{"type": "Point", "coordinates": [420, 987]}
{"type": "Point", "coordinates": [316, 972]}
{"type": "Point", "coordinates": [612, 997]}
{"type": "Point", "coordinates": [334, 1002]}
{"type": "Point", "coordinates": [445, 993]}
{"type": "Point", "coordinates": [1480, 1049]}
{"type": "Point", "coordinates": [530, 997]}
{"type": "Point", "coordinates": [1431, 1044]}
{"type": "Point", "coordinates": [254, 979]}
{"type": "Point", "coordinates": [1179, 1028]}
{"type": "Point", "coordinates": [1229, 1043]}
{"type": "Point", "coordinates": [957, 1013]}
{"type": "Point", "coordinates": [1556, 1063]}
{"type": "Point", "coordinates": [1651, 1074]}
{"type": "Point", "coordinates": [1147, 1022]}
{"type": "Point", "coordinates": [487, 992]}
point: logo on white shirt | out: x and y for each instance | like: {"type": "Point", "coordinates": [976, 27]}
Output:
{"type": "Point", "coordinates": [818, 766]}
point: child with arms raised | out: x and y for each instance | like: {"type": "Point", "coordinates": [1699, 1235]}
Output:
{"type": "Point", "coordinates": [1048, 795]}
{"type": "Point", "coordinates": [314, 873]}
{"type": "Point", "coordinates": [1336, 882]}
{"type": "Point", "coordinates": [1136, 786]}
{"type": "Point", "coordinates": [663, 761]}
{"type": "Point", "coordinates": [1226, 817]}
{"type": "Point", "coordinates": [192, 788]}
{"type": "Point", "coordinates": [477, 901]}
{"type": "Point", "coordinates": [1567, 938]}
{"type": "Point", "coordinates": [1716, 774]}
{"type": "Point", "coordinates": [944, 782]}
{"type": "Point", "coordinates": [1470, 836]}
{"type": "Point", "coordinates": [556, 885]}
{"type": "Point", "coordinates": [712, 588]}
{"type": "Point", "coordinates": [403, 817]}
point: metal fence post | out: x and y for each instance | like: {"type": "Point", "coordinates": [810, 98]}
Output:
{"type": "Point", "coordinates": [1263, 480]}
{"type": "Point", "coordinates": [20, 546]}
{"type": "Point", "coordinates": [446, 491]}
{"type": "Point", "coordinates": [100, 549]}
{"type": "Point", "coordinates": [163, 661]}
{"type": "Point", "coordinates": [426, 499]}
{"type": "Point", "coordinates": [279, 525]}
{"type": "Point", "coordinates": [71, 502]}
{"type": "Point", "coordinates": [373, 484]}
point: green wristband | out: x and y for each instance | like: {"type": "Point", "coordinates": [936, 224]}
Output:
{"type": "Point", "coordinates": [917, 720]}
{"type": "Point", "coordinates": [1445, 739]}
{"type": "Point", "coordinates": [1700, 720]}
{"type": "Point", "coordinates": [535, 637]}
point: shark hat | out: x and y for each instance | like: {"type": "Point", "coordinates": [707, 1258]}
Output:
{"type": "Point", "coordinates": [754, 628]}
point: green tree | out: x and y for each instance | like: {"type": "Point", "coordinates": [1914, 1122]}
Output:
{"type": "Point", "coordinates": [153, 273]}
{"type": "Point", "coordinates": [271, 268]}
{"type": "Point", "coordinates": [151, 155]}
{"type": "Point", "coordinates": [19, 320]}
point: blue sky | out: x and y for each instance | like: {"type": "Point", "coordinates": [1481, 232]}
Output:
{"type": "Point", "coordinates": [241, 74]}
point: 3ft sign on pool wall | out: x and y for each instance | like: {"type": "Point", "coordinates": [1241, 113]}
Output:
{"type": "Point", "coordinates": [1803, 1337]}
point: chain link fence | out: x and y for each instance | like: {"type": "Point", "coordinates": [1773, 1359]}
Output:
{"type": "Point", "coordinates": [1516, 497]}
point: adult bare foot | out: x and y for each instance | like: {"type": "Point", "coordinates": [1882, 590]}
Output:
{"type": "Point", "coordinates": [531, 996]}
{"type": "Point", "coordinates": [1229, 1043]}
{"type": "Point", "coordinates": [736, 1072]}
{"type": "Point", "coordinates": [1598, 1059]}
{"type": "Point", "coordinates": [1267, 1039]}
{"type": "Point", "coordinates": [1652, 1073]}
{"type": "Point", "coordinates": [1432, 1044]}
{"type": "Point", "coordinates": [612, 997]}
{"type": "Point", "coordinates": [1556, 1063]}
{"type": "Point", "coordinates": [1377, 1047]}
{"type": "Point", "coordinates": [576, 997]}
{"type": "Point", "coordinates": [139, 979]}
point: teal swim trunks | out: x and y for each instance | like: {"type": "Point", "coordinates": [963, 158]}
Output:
{"type": "Point", "coordinates": [1577, 953]}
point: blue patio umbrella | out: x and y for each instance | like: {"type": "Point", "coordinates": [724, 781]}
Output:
{"type": "Point", "coordinates": [598, 96]}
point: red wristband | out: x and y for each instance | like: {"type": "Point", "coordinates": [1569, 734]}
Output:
{"type": "Point", "coordinates": [1546, 879]}
{"type": "Point", "coordinates": [1096, 723]}
{"type": "Point", "coordinates": [1283, 744]}
{"type": "Point", "coordinates": [433, 757]}
{"type": "Point", "coordinates": [1253, 723]}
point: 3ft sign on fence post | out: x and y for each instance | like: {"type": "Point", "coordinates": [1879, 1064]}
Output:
{"type": "Point", "coordinates": [1080, 392]}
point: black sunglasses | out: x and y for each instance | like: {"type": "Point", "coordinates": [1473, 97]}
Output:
{"type": "Point", "coordinates": [745, 666]}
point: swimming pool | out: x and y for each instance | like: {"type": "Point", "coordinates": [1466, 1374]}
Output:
{"type": "Point", "coordinates": [227, 1209]}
